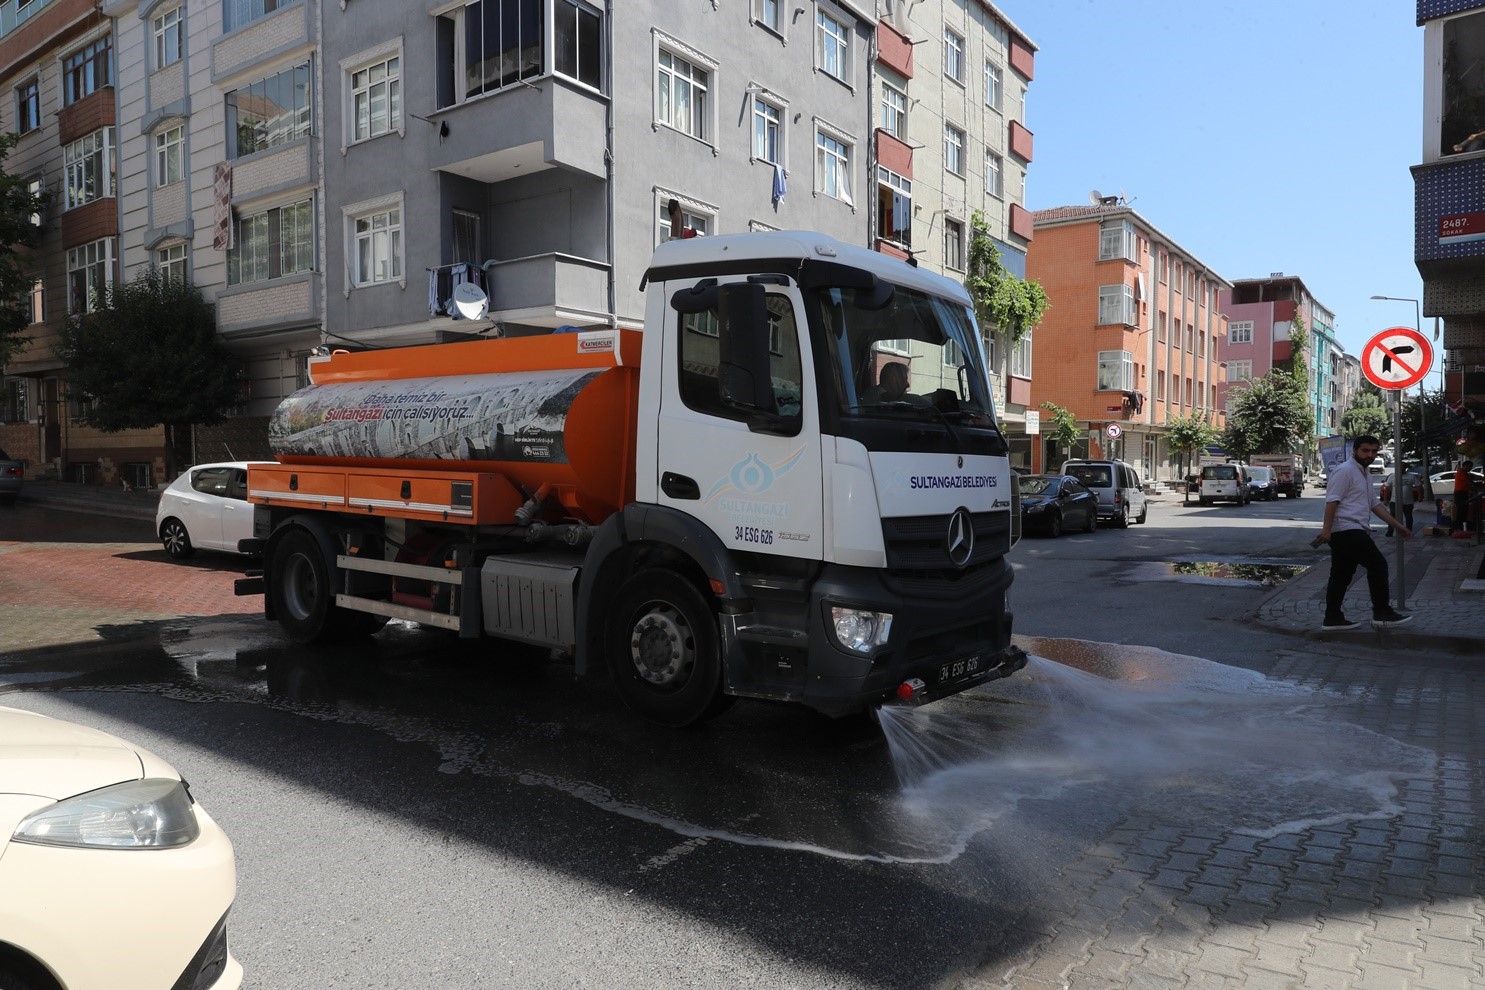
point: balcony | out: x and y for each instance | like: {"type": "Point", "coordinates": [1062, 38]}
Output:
{"type": "Point", "coordinates": [527, 128]}
{"type": "Point", "coordinates": [1449, 218]}
{"type": "Point", "coordinates": [548, 290]}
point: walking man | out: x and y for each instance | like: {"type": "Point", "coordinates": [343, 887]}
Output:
{"type": "Point", "coordinates": [1349, 506]}
{"type": "Point", "coordinates": [1461, 497]}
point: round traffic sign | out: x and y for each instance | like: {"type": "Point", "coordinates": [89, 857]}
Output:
{"type": "Point", "coordinates": [1397, 358]}
{"type": "Point", "coordinates": [1113, 430]}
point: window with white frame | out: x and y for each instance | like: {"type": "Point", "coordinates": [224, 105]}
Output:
{"type": "Point", "coordinates": [766, 12]}
{"type": "Point", "coordinates": [270, 112]}
{"type": "Point", "coordinates": [87, 70]}
{"type": "Point", "coordinates": [681, 95]}
{"type": "Point", "coordinates": [168, 29]}
{"type": "Point", "coordinates": [171, 261]}
{"type": "Point", "coordinates": [28, 105]}
{"type": "Point", "coordinates": [1240, 332]}
{"type": "Point", "coordinates": [89, 274]}
{"type": "Point", "coordinates": [272, 243]}
{"type": "Point", "coordinates": [1115, 305]}
{"type": "Point", "coordinates": [693, 218]}
{"type": "Point", "coordinates": [954, 244]}
{"type": "Point", "coordinates": [88, 166]}
{"type": "Point", "coordinates": [1115, 371]}
{"type": "Point", "coordinates": [577, 44]}
{"type": "Point", "coordinates": [236, 13]}
{"type": "Point", "coordinates": [894, 111]}
{"type": "Point", "coordinates": [1021, 357]}
{"type": "Point", "coordinates": [378, 246]}
{"type": "Point", "coordinates": [1239, 371]}
{"type": "Point", "coordinates": [832, 46]}
{"type": "Point", "coordinates": [832, 166]}
{"type": "Point", "coordinates": [170, 146]}
{"type": "Point", "coordinates": [768, 128]}
{"type": "Point", "coordinates": [953, 149]}
{"type": "Point", "coordinates": [994, 175]}
{"type": "Point", "coordinates": [38, 300]}
{"type": "Point", "coordinates": [1117, 240]}
{"type": "Point", "coordinates": [953, 56]}
{"type": "Point", "coordinates": [994, 84]}
{"type": "Point", "coordinates": [35, 186]}
{"type": "Point", "coordinates": [467, 243]}
{"type": "Point", "coordinates": [376, 99]}
{"type": "Point", "coordinates": [894, 207]}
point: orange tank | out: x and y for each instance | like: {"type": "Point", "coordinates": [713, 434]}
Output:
{"type": "Point", "coordinates": [553, 414]}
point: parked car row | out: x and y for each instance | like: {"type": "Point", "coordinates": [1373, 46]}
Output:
{"type": "Point", "coordinates": [1086, 493]}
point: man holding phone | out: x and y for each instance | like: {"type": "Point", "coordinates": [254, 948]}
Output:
{"type": "Point", "coordinates": [1349, 505]}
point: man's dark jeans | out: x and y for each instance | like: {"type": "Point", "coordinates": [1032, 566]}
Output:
{"type": "Point", "coordinates": [1350, 549]}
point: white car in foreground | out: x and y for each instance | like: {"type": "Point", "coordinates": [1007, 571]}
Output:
{"type": "Point", "coordinates": [111, 876]}
{"type": "Point", "coordinates": [206, 508]}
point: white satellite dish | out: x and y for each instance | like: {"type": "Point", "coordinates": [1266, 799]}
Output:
{"type": "Point", "coordinates": [1095, 197]}
{"type": "Point", "coordinates": [470, 301]}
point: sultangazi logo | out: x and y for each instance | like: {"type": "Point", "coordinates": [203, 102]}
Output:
{"type": "Point", "coordinates": [753, 476]}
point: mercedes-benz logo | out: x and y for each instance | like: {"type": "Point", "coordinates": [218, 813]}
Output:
{"type": "Point", "coordinates": [961, 538]}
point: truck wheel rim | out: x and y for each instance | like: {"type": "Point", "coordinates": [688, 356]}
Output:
{"type": "Point", "coordinates": [662, 646]}
{"type": "Point", "coordinates": [301, 589]}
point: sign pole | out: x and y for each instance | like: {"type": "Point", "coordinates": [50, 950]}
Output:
{"type": "Point", "coordinates": [1397, 479]}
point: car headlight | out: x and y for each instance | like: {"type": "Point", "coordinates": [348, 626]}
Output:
{"type": "Point", "coordinates": [858, 630]}
{"type": "Point", "coordinates": [139, 814]}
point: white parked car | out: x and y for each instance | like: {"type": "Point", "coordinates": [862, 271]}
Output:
{"type": "Point", "coordinates": [111, 876]}
{"type": "Point", "coordinates": [206, 508]}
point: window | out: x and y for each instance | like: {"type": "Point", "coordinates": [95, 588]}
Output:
{"type": "Point", "coordinates": [379, 247]}
{"type": "Point", "coordinates": [691, 219]}
{"type": "Point", "coordinates": [1115, 371]}
{"type": "Point", "coordinates": [1021, 357]}
{"type": "Point", "coordinates": [766, 12]}
{"type": "Point", "coordinates": [681, 90]}
{"type": "Point", "coordinates": [38, 301]}
{"type": "Point", "coordinates": [1159, 386]}
{"type": "Point", "coordinates": [270, 112]}
{"type": "Point", "coordinates": [1117, 240]}
{"type": "Point", "coordinates": [87, 70]}
{"type": "Point", "coordinates": [767, 123]}
{"type": "Point", "coordinates": [700, 361]}
{"type": "Point", "coordinates": [467, 244]}
{"type": "Point", "coordinates": [954, 245]}
{"type": "Point", "coordinates": [1240, 332]}
{"type": "Point", "coordinates": [1161, 330]}
{"type": "Point", "coordinates": [168, 33]}
{"type": "Point", "coordinates": [894, 111]}
{"type": "Point", "coordinates": [487, 45]}
{"type": "Point", "coordinates": [171, 261]}
{"type": "Point", "coordinates": [953, 56]}
{"type": "Point", "coordinates": [894, 207]}
{"type": "Point", "coordinates": [1164, 267]}
{"type": "Point", "coordinates": [376, 99]}
{"type": "Point", "coordinates": [89, 273]}
{"type": "Point", "coordinates": [1201, 345]}
{"type": "Point", "coordinates": [953, 149]}
{"type": "Point", "coordinates": [994, 175]}
{"type": "Point", "coordinates": [88, 165]}
{"type": "Point", "coordinates": [1188, 392]}
{"type": "Point", "coordinates": [1190, 338]}
{"type": "Point", "coordinates": [15, 406]}
{"type": "Point", "coordinates": [832, 166]}
{"type": "Point", "coordinates": [994, 84]}
{"type": "Point", "coordinates": [832, 46]}
{"type": "Point", "coordinates": [240, 12]}
{"type": "Point", "coordinates": [272, 244]}
{"type": "Point", "coordinates": [1239, 371]}
{"type": "Point", "coordinates": [577, 44]}
{"type": "Point", "coordinates": [1115, 305]}
{"type": "Point", "coordinates": [28, 106]}
{"type": "Point", "coordinates": [169, 155]}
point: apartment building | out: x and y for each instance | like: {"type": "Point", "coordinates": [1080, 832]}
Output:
{"type": "Point", "coordinates": [1131, 337]}
{"type": "Point", "coordinates": [1261, 314]}
{"type": "Point", "coordinates": [950, 140]}
{"type": "Point", "coordinates": [1449, 195]}
{"type": "Point", "coordinates": [60, 93]}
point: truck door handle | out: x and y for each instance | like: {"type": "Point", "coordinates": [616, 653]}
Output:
{"type": "Point", "coordinates": [678, 486]}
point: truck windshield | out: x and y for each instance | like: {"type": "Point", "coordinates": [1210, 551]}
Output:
{"type": "Point", "coordinates": [918, 357]}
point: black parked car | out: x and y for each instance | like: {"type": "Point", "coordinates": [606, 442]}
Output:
{"type": "Point", "coordinates": [1052, 503]}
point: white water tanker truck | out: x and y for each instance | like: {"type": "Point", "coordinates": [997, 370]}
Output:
{"type": "Point", "coordinates": [741, 500]}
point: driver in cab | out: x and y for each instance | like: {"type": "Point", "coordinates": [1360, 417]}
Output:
{"type": "Point", "coordinates": [892, 386]}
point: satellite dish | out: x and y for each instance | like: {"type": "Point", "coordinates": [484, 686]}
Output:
{"type": "Point", "coordinates": [470, 301]}
{"type": "Point", "coordinates": [1095, 197]}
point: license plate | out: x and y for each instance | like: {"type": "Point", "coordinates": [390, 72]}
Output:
{"type": "Point", "coordinates": [958, 670]}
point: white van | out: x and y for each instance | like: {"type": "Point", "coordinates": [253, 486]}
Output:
{"type": "Point", "coordinates": [1224, 483]}
{"type": "Point", "coordinates": [1121, 500]}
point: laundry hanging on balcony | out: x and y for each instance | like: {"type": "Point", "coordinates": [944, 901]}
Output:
{"type": "Point", "coordinates": [444, 279]}
{"type": "Point", "coordinates": [780, 186]}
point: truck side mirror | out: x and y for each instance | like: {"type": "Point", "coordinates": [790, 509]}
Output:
{"type": "Point", "coordinates": [743, 372]}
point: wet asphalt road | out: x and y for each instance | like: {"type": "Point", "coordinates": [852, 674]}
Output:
{"type": "Point", "coordinates": [420, 813]}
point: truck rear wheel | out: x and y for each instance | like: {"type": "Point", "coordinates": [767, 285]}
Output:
{"type": "Point", "coordinates": [304, 598]}
{"type": "Point", "coordinates": [663, 649]}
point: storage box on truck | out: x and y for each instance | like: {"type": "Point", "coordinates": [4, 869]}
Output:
{"type": "Point", "coordinates": [763, 494]}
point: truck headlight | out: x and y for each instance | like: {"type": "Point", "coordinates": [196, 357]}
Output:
{"type": "Point", "coordinates": [858, 630]}
{"type": "Point", "coordinates": [154, 813]}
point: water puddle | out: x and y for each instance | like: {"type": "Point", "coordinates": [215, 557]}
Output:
{"type": "Point", "coordinates": [1246, 574]}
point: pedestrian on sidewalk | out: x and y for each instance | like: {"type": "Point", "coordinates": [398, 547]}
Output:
{"type": "Point", "coordinates": [1349, 505]}
{"type": "Point", "coordinates": [1461, 497]}
{"type": "Point", "coordinates": [1411, 492]}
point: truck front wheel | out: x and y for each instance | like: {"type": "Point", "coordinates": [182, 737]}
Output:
{"type": "Point", "coordinates": [663, 650]}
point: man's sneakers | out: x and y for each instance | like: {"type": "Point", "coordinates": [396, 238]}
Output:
{"type": "Point", "coordinates": [1334, 623]}
{"type": "Point", "coordinates": [1389, 617]}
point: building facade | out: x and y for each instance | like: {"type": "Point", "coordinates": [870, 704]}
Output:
{"type": "Point", "coordinates": [1131, 338]}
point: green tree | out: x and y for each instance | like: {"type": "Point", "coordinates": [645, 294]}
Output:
{"type": "Point", "coordinates": [1003, 303]}
{"type": "Point", "coordinates": [1367, 415]}
{"type": "Point", "coordinates": [149, 355]}
{"type": "Point", "coordinates": [1189, 434]}
{"type": "Point", "coordinates": [20, 209]}
{"type": "Point", "coordinates": [1269, 415]}
{"type": "Point", "coordinates": [1061, 429]}
{"type": "Point", "coordinates": [1435, 413]}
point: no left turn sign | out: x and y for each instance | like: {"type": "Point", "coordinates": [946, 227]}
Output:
{"type": "Point", "coordinates": [1397, 358]}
